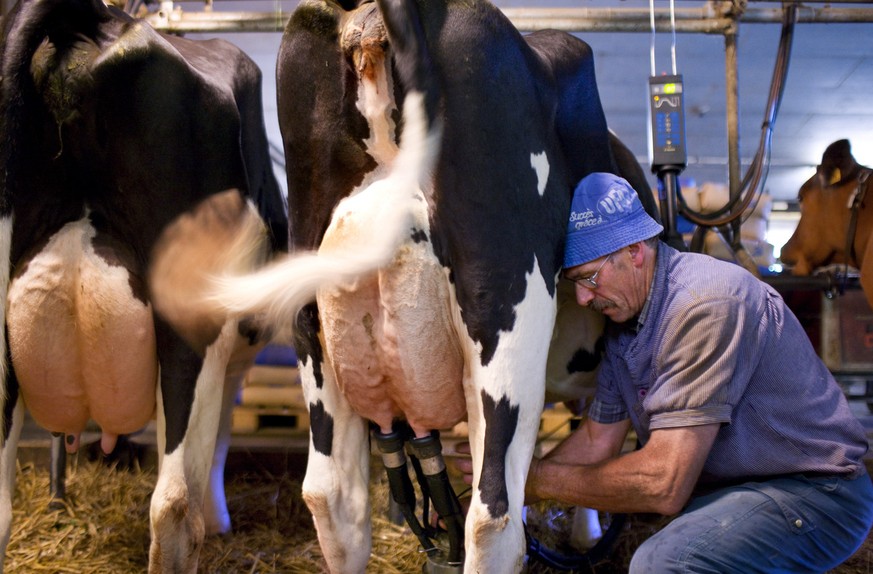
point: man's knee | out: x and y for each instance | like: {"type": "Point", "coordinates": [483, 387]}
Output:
{"type": "Point", "coordinates": [677, 548]}
{"type": "Point", "coordinates": [654, 557]}
{"type": "Point", "coordinates": [644, 559]}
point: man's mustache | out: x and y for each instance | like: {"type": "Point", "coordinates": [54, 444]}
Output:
{"type": "Point", "coordinates": [600, 305]}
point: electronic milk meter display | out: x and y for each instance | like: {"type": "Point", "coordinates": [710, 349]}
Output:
{"type": "Point", "coordinates": [667, 125]}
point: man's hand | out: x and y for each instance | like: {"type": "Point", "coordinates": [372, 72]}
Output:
{"type": "Point", "coordinates": [530, 496]}
{"type": "Point", "coordinates": [464, 464]}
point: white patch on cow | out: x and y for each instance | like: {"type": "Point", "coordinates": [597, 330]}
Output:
{"type": "Point", "coordinates": [517, 373]}
{"type": "Point", "coordinates": [540, 163]}
{"type": "Point", "coordinates": [376, 103]}
{"type": "Point", "coordinates": [521, 353]}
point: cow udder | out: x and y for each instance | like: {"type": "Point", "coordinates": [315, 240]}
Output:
{"type": "Point", "coordinates": [82, 344]}
{"type": "Point", "coordinates": [393, 346]}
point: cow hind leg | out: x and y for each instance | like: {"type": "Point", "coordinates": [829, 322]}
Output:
{"type": "Point", "coordinates": [336, 484]}
{"type": "Point", "coordinates": [215, 511]}
{"type": "Point", "coordinates": [177, 524]}
{"type": "Point", "coordinates": [8, 452]}
{"type": "Point", "coordinates": [494, 531]}
{"type": "Point", "coordinates": [177, 518]}
{"type": "Point", "coordinates": [11, 405]}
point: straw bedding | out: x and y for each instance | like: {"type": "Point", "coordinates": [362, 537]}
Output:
{"type": "Point", "coordinates": [102, 527]}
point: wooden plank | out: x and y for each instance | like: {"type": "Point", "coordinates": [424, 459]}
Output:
{"type": "Point", "coordinates": [288, 396]}
{"type": "Point", "coordinates": [247, 420]}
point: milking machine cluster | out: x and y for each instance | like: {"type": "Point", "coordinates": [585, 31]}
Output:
{"type": "Point", "coordinates": [426, 459]}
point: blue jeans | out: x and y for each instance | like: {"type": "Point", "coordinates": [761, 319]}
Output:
{"type": "Point", "coordinates": [787, 525]}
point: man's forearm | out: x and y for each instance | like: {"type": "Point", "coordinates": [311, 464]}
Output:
{"type": "Point", "coordinates": [657, 478]}
{"type": "Point", "coordinates": [614, 485]}
{"type": "Point", "coordinates": [592, 442]}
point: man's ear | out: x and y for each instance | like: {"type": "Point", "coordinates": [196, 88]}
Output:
{"type": "Point", "coordinates": [636, 253]}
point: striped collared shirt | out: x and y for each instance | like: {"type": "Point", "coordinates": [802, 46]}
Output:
{"type": "Point", "coordinates": [714, 344]}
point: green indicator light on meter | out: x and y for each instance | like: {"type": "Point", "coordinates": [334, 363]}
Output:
{"type": "Point", "coordinates": [669, 88]}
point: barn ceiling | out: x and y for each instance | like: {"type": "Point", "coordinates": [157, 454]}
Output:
{"type": "Point", "coordinates": [825, 97]}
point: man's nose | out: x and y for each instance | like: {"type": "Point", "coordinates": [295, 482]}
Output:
{"type": "Point", "coordinates": [584, 295]}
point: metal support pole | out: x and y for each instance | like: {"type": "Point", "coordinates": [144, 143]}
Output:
{"type": "Point", "coordinates": [669, 178]}
{"type": "Point", "coordinates": [732, 98]}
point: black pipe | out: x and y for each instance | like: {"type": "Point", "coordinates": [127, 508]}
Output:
{"type": "Point", "coordinates": [57, 474]}
{"type": "Point", "coordinates": [429, 452]}
{"type": "Point", "coordinates": [669, 176]}
{"type": "Point", "coordinates": [425, 494]}
{"type": "Point", "coordinates": [390, 446]}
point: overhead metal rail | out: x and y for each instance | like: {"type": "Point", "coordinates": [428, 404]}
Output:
{"type": "Point", "coordinates": [714, 17]}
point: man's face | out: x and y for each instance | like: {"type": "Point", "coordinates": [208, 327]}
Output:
{"type": "Point", "coordinates": [607, 285]}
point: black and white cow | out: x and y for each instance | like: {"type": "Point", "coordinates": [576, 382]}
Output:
{"type": "Point", "coordinates": [115, 139]}
{"type": "Point", "coordinates": [437, 274]}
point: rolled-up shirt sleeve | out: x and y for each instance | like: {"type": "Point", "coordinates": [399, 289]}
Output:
{"type": "Point", "coordinates": [704, 363]}
{"type": "Point", "coordinates": [607, 406]}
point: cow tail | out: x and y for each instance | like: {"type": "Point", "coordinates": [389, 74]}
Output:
{"type": "Point", "coordinates": [276, 292]}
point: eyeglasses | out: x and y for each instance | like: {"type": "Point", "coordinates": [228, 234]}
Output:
{"type": "Point", "coordinates": [591, 282]}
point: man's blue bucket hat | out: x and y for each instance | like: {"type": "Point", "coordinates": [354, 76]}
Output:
{"type": "Point", "coordinates": [605, 215]}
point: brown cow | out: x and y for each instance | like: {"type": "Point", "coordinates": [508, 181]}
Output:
{"type": "Point", "coordinates": [835, 218]}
